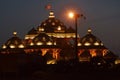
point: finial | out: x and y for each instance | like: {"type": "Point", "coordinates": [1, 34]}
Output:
{"type": "Point", "coordinates": [89, 31]}
{"type": "Point", "coordinates": [14, 33]}
{"type": "Point", "coordinates": [51, 14]}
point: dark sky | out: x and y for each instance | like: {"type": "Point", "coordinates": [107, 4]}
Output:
{"type": "Point", "coordinates": [103, 17]}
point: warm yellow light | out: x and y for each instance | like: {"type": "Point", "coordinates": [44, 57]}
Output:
{"type": "Point", "coordinates": [49, 43]}
{"type": "Point", "coordinates": [4, 46]}
{"type": "Point", "coordinates": [59, 28]}
{"type": "Point", "coordinates": [71, 14]}
{"type": "Point", "coordinates": [21, 46]}
{"type": "Point", "coordinates": [96, 43]}
{"type": "Point", "coordinates": [39, 43]}
{"type": "Point", "coordinates": [117, 61]}
{"type": "Point", "coordinates": [87, 44]}
{"type": "Point", "coordinates": [51, 62]}
{"type": "Point", "coordinates": [12, 46]}
{"type": "Point", "coordinates": [99, 63]}
{"type": "Point", "coordinates": [79, 44]}
{"type": "Point", "coordinates": [31, 44]}
{"type": "Point", "coordinates": [15, 33]}
{"type": "Point", "coordinates": [41, 29]}
{"type": "Point", "coordinates": [54, 43]}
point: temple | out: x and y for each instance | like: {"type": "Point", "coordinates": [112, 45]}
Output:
{"type": "Point", "coordinates": [52, 39]}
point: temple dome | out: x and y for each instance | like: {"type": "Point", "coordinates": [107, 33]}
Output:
{"type": "Point", "coordinates": [43, 39]}
{"type": "Point", "coordinates": [90, 40]}
{"type": "Point", "coordinates": [52, 25]}
{"type": "Point", "coordinates": [14, 42]}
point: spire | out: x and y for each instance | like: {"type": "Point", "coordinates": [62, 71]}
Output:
{"type": "Point", "coordinates": [89, 31]}
{"type": "Point", "coordinates": [51, 14]}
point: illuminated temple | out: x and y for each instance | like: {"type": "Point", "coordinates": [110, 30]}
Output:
{"type": "Point", "coordinates": [52, 38]}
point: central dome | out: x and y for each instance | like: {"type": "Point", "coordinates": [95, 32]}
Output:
{"type": "Point", "coordinates": [52, 25]}
{"type": "Point", "coordinates": [14, 42]}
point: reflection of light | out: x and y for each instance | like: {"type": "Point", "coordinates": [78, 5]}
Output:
{"type": "Point", "coordinates": [21, 46]}
{"type": "Point", "coordinates": [30, 36]}
{"type": "Point", "coordinates": [12, 46]}
{"type": "Point", "coordinates": [87, 44]}
{"type": "Point", "coordinates": [39, 43]}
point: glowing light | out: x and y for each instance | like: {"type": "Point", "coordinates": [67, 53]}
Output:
{"type": "Point", "coordinates": [71, 14]}
{"type": "Point", "coordinates": [54, 43]}
{"type": "Point", "coordinates": [49, 43]}
{"type": "Point", "coordinates": [99, 63]}
{"type": "Point", "coordinates": [87, 44]}
{"type": "Point", "coordinates": [44, 51]}
{"type": "Point", "coordinates": [89, 30]}
{"type": "Point", "coordinates": [59, 28]}
{"type": "Point", "coordinates": [79, 44]}
{"type": "Point", "coordinates": [51, 14]}
{"type": "Point", "coordinates": [4, 46]}
{"type": "Point", "coordinates": [12, 46]}
{"type": "Point", "coordinates": [96, 43]}
{"type": "Point", "coordinates": [21, 46]}
{"type": "Point", "coordinates": [117, 61]}
{"type": "Point", "coordinates": [41, 29]}
{"type": "Point", "coordinates": [39, 43]}
{"type": "Point", "coordinates": [51, 62]}
{"type": "Point", "coordinates": [15, 33]}
{"type": "Point", "coordinates": [68, 36]}
{"type": "Point", "coordinates": [31, 44]}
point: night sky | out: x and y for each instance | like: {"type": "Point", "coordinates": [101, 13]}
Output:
{"type": "Point", "coordinates": [102, 16]}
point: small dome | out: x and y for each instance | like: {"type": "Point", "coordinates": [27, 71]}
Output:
{"type": "Point", "coordinates": [43, 39]}
{"type": "Point", "coordinates": [90, 40]}
{"type": "Point", "coordinates": [52, 25]}
{"type": "Point", "coordinates": [14, 42]}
